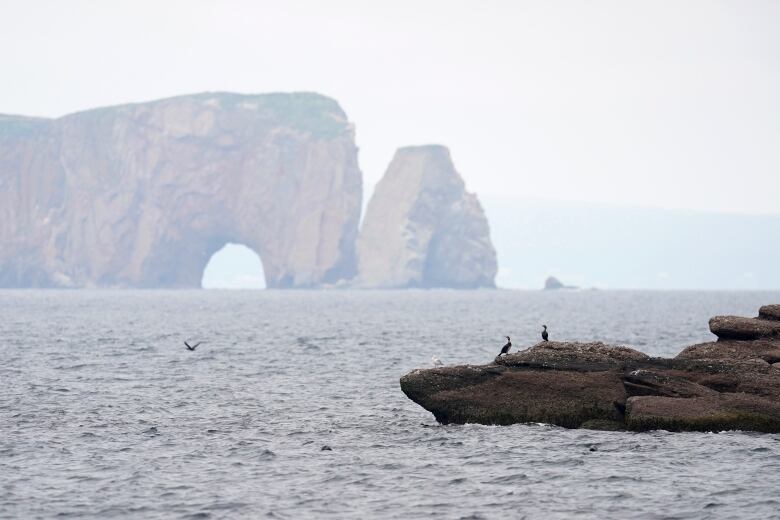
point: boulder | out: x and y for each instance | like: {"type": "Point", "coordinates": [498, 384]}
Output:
{"type": "Point", "coordinates": [737, 327]}
{"type": "Point", "coordinates": [769, 312]}
{"type": "Point", "coordinates": [423, 229]}
{"type": "Point", "coordinates": [766, 349]}
{"type": "Point", "coordinates": [728, 384]}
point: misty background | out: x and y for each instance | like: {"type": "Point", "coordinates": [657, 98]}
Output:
{"type": "Point", "coordinates": [613, 144]}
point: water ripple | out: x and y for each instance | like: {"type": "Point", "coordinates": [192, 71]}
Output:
{"type": "Point", "coordinates": [103, 413]}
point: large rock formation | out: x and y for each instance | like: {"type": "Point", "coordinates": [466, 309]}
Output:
{"type": "Point", "coordinates": [142, 195]}
{"type": "Point", "coordinates": [733, 383]}
{"type": "Point", "coordinates": [422, 229]}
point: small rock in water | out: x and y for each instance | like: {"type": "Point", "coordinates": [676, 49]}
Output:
{"type": "Point", "coordinates": [326, 448]}
{"type": "Point", "coordinates": [552, 283]}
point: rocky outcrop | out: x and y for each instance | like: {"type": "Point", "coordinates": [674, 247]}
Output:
{"type": "Point", "coordinates": [142, 195]}
{"type": "Point", "coordinates": [552, 283]}
{"type": "Point", "coordinates": [724, 385]}
{"type": "Point", "coordinates": [422, 229]}
{"type": "Point", "coordinates": [769, 312]}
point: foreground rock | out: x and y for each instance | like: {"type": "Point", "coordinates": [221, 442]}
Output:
{"type": "Point", "coordinates": [730, 384]}
{"type": "Point", "coordinates": [142, 195]}
{"type": "Point", "coordinates": [423, 229]}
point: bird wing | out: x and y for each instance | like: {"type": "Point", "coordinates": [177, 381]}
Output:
{"type": "Point", "coordinates": [196, 345]}
{"type": "Point", "coordinates": [187, 345]}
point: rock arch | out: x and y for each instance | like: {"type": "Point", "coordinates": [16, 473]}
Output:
{"type": "Point", "coordinates": [142, 195]}
{"type": "Point", "coordinates": [234, 266]}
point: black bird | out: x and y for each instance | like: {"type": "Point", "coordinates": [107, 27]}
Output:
{"type": "Point", "coordinates": [192, 347]}
{"type": "Point", "coordinates": [544, 333]}
{"type": "Point", "coordinates": [505, 348]}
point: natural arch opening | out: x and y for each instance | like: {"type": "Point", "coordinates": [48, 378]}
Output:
{"type": "Point", "coordinates": [235, 266]}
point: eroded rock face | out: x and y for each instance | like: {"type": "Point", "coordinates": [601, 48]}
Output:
{"type": "Point", "coordinates": [142, 195]}
{"type": "Point", "coordinates": [422, 229]}
{"type": "Point", "coordinates": [725, 385]}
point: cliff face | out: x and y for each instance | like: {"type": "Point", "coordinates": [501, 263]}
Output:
{"type": "Point", "coordinates": [422, 229]}
{"type": "Point", "coordinates": [142, 195]}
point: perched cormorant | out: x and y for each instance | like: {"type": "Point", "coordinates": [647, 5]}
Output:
{"type": "Point", "coordinates": [505, 348]}
{"type": "Point", "coordinates": [192, 347]}
{"type": "Point", "coordinates": [544, 333]}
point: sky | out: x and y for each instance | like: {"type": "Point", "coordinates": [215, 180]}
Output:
{"type": "Point", "coordinates": [663, 104]}
{"type": "Point", "coordinates": [234, 266]}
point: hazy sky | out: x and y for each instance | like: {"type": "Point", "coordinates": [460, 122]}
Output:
{"type": "Point", "coordinates": [655, 103]}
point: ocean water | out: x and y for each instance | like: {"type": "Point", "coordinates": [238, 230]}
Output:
{"type": "Point", "coordinates": [105, 414]}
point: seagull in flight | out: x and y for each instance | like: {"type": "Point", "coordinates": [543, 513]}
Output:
{"type": "Point", "coordinates": [192, 347]}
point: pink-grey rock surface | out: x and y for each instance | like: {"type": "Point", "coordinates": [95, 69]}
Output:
{"type": "Point", "coordinates": [423, 229]}
{"type": "Point", "coordinates": [142, 195]}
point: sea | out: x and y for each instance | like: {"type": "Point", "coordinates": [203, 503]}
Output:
{"type": "Point", "coordinates": [291, 408]}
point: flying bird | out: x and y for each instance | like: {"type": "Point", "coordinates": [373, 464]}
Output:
{"type": "Point", "coordinates": [192, 347]}
{"type": "Point", "coordinates": [545, 336]}
{"type": "Point", "coordinates": [505, 348]}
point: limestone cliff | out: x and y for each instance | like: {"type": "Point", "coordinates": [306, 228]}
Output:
{"type": "Point", "coordinates": [422, 229]}
{"type": "Point", "coordinates": [142, 195]}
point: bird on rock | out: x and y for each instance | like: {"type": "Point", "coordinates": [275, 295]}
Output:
{"type": "Point", "coordinates": [505, 348]}
{"type": "Point", "coordinates": [545, 336]}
